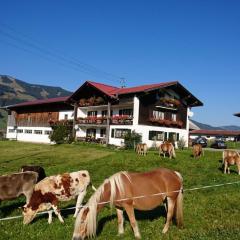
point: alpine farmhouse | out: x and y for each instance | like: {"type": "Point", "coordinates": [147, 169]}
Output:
{"type": "Point", "coordinates": [106, 113]}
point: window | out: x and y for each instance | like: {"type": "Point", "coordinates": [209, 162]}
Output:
{"type": "Point", "coordinates": [91, 132]}
{"type": "Point", "coordinates": [174, 117]}
{"type": "Point", "coordinates": [39, 132]}
{"type": "Point", "coordinates": [172, 136]}
{"type": "Point", "coordinates": [65, 117]}
{"type": "Point", "coordinates": [128, 112]}
{"type": "Point", "coordinates": [11, 130]}
{"type": "Point", "coordinates": [119, 133]}
{"type": "Point", "coordinates": [156, 135]}
{"type": "Point", "coordinates": [103, 132]}
{"type": "Point", "coordinates": [19, 130]}
{"type": "Point", "coordinates": [104, 113]}
{"type": "Point", "coordinates": [47, 132]}
{"type": "Point", "coordinates": [28, 131]}
{"type": "Point", "coordinates": [92, 113]}
{"type": "Point", "coordinates": [158, 115]}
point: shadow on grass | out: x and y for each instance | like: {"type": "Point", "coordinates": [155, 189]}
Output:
{"type": "Point", "coordinates": [140, 215]}
{"type": "Point", "coordinates": [5, 211]}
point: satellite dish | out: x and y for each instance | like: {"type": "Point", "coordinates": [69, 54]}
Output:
{"type": "Point", "coordinates": [76, 127]}
{"type": "Point", "coordinates": [190, 114]}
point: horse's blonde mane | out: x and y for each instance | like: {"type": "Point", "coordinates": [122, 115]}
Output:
{"type": "Point", "coordinates": [116, 183]}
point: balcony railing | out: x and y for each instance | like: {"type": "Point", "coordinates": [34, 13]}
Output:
{"type": "Point", "coordinates": [122, 120]}
{"type": "Point", "coordinates": [93, 120]}
{"type": "Point", "coordinates": [115, 120]}
{"type": "Point", "coordinates": [166, 122]}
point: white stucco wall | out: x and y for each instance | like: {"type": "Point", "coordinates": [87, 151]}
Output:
{"type": "Point", "coordinates": [30, 137]}
{"type": "Point", "coordinates": [144, 131]}
{"type": "Point", "coordinates": [63, 113]}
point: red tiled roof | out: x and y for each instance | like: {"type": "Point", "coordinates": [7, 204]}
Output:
{"type": "Point", "coordinates": [215, 132]}
{"type": "Point", "coordinates": [112, 91]}
{"type": "Point", "coordinates": [143, 88]}
{"type": "Point", "coordinates": [107, 89]}
{"type": "Point", "coordinates": [40, 101]}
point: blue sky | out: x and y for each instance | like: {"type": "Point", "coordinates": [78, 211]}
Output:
{"type": "Point", "coordinates": [196, 42]}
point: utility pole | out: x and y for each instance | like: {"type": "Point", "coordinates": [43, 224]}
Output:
{"type": "Point", "coordinates": [122, 82]}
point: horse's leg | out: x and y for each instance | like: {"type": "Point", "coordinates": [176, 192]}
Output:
{"type": "Point", "coordinates": [79, 202]}
{"type": "Point", "coordinates": [225, 167]}
{"type": "Point", "coordinates": [120, 221]}
{"type": "Point", "coordinates": [171, 204]}
{"type": "Point", "coordinates": [131, 215]}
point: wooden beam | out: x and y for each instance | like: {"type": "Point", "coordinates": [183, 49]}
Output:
{"type": "Point", "coordinates": [74, 120]}
{"type": "Point", "coordinates": [108, 122]}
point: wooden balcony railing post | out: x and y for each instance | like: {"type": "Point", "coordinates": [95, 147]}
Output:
{"type": "Point", "coordinates": [74, 120]}
{"type": "Point", "coordinates": [108, 122]}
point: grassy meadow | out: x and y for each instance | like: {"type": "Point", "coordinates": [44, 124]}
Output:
{"type": "Point", "coordinates": [208, 214]}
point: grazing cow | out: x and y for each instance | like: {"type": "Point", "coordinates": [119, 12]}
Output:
{"type": "Point", "coordinates": [141, 149]}
{"type": "Point", "coordinates": [197, 150]}
{"type": "Point", "coordinates": [229, 153]}
{"type": "Point", "coordinates": [48, 192]}
{"type": "Point", "coordinates": [168, 148]}
{"type": "Point", "coordinates": [231, 160]}
{"type": "Point", "coordinates": [37, 169]}
{"type": "Point", "coordinates": [16, 184]}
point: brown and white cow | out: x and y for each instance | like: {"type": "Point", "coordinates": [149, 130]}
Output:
{"type": "Point", "coordinates": [16, 184]}
{"type": "Point", "coordinates": [197, 150]}
{"type": "Point", "coordinates": [48, 192]}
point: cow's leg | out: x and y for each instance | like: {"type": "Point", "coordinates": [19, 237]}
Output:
{"type": "Point", "coordinates": [170, 204]}
{"type": "Point", "coordinates": [50, 216]}
{"type": "Point", "coordinates": [57, 212]}
{"type": "Point", "coordinates": [132, 219]}
{"type": "Point", "coordinates": [79, 202]}
{"type": "Point", "coordinates": [120, 221]}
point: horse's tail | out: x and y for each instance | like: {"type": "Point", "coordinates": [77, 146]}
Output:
{"type": "Point", "coordinates": [179, 204]}
{"type": "Point", "coordinates": [173, 151]}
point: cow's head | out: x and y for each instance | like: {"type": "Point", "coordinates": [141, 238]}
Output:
{"type": "Point", "coordinates": [28, 214]}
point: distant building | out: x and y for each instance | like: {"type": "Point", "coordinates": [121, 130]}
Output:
{"type": "Point", "coordinates": [212, 134]}
{"type": "Point", "coordinates": [100, 112]}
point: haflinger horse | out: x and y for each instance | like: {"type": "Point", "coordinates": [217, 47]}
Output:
{"type": "Point", "coordinates": [231, 160]}
{"type": "Point", "coordinates": [229, 153]}
{"type": "Point", "coordinates": [197, 151]}
{"type": "Point", "coordinates": [122, 190]}
{"type": "Point", "coordinates": [168, 148]}
{"type": "Point", "coordinates": [141, 149]}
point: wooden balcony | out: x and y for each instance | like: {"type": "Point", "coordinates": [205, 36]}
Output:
{"type": "Point", "coordinates": [166, 123]}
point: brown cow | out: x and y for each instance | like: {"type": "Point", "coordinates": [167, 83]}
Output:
{"type": "Point", "coordinates": [48, 192]}
{"type": "Point", "coordinates": [168, 148]}
{"type": "Point", "coordinates": [197, 150]}
{"type": "Point", "coordinates": [141, 149]}
{"type": "Point", "coordinates": [231, 160]}
{"type": "Point", "coordinates": [229, 153]}
{"type": "Point", "coordinates": [16, 184]}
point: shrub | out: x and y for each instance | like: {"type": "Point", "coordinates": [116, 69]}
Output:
{"type": "Point", "coordinates": [131, 139]}
{"type": "Point", "coordinates": [181, 143]}
{"type": "Point", "coordinates": [61, 134]}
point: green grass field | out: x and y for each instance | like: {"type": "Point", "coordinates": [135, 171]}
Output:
{"type": "Point", "coordinates": [208, 214]}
